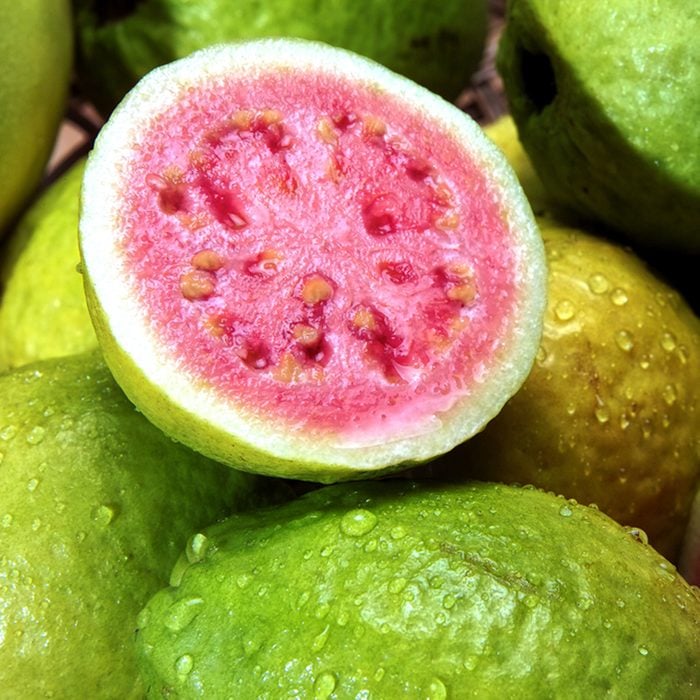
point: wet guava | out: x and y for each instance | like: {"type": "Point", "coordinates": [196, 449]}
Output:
{"type": "Point", "coordinates": [606, 102]}
{"type": "Point", "coordinates": [36, 54]}
{"type": "Point", "coordinates": [300, 263]}
{"type": "Point", "coordinates": [689, 563]}
{"type": "Point", "coordinates": [609, 414]}
{"type": "Point", "coordinates": [95, 506]}
{"type": "Point", "coordinates": [438, 45]}
{"type": "Point", "coordinates": [42, 308]}
{"type": "Point", "coordinates": [407, 590]}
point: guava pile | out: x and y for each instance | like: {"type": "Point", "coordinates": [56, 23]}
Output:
{"type": "Point", "coordinates": [287, 264]}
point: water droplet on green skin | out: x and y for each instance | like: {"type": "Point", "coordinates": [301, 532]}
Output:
{"type": "Point", "coordinates": [564, 310]}
{"type": "Point", "coordinates": [184, 665]}
{"type": "Point", "coordinates": [105, 514]}
{"type": "Point", "coordinates": [436, 690]}
{"type": "Point", "coordinates": [358, 522]}
{"type": "Point", "coordinates": [8, 432]}
{"type": "Point", "coordinates": [566, 511]}
{"type": "Point", "coordinates": [36, 435]}
{"type": "Point", "coordinates": [324, 685]}
{"type": "Point", "coordinates": [196, 548]}
{"type": "Point", "coordinates": [320, 639]}
{"type": "Point", "coordinates": [182, 613]}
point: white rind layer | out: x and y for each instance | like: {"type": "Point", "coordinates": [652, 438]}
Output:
{"type": "Point", "coordinates": [184, 406]}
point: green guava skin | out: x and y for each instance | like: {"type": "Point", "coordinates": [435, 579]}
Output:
{"type": "Point", "coordinates": [43, 313]}
{"type": "Point", "coordinates": [605, 97]}
{"type": "Point", "coordinates": [436, 44]}
{"type": "Point", "coordinates": [409, 590]}
{"type": "Point", "coordinates": [36, 54]}
{"type": "Point", "coordinates": [95, 506]}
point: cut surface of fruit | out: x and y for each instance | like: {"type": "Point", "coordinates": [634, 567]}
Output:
{"type": "Point", "coordinates": [308, 247]}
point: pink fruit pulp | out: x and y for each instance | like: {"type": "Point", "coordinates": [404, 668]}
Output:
{"type": "Point", "coordinates": [311, 250]}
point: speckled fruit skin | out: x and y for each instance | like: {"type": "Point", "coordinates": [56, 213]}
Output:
{"type": "Point", "coordinates": [605, 96]}
{"type": "Point", "coordinates": [609, 413]}
{"type": "Point", "coordinates": [437, 45]}
{"type": "Point", "coordinates": [42, 307]}
{"type": "Point", "coordinates": [95, 505]}
{"type": "Point", "coordinates": [413, 591]}
{"type": "Point", "coordinates": [36, 54]}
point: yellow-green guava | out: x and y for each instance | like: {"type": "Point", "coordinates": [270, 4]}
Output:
{"type": "Point", "coordinates": [42, 308]}
{"type": "Point", "coordinates": [436, 44]}
{"type": "Point", "coordinates": [408, 590]}
{"type": "Point", "coordinates": [609, 413]}
{"type": "Point", "coordinates": [95, 506]}
{"type": "Point", "coordinates": [36, 55]}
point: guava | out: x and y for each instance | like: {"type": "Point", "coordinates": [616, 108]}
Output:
{"type": "Point", "coordinates": [605, 97]}
{"type": "Point", "coordinates": [407, 590]}
{"type": "Point", "coordinates": [609, 413]}
{"type": "Point", "coordinates": [303, 264]}
{"type": "Point", "coordinates": [689, 563]}
{"type": "Point", "coordinates": [438, 45]}
{"type": "Point", "coordinates": [42, 309]}
{"type": "Point", "coordinates": [95, 506]}
{"type": "Point", "coordinates": [36, 54]}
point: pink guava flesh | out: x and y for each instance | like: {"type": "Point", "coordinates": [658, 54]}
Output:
{"type": "Point", "coordinates": [316, 252]}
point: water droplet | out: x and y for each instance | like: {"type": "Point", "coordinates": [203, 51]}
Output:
{"type": "Point", "coordinates": [566, 511]}
{"type": "Point", "coordinates": [371, 546]}
{"type": "Point", "coordinates": [196, 548]}
{"type": "Point", "coordinates": [8, 432]}
{"type": "Point", "coordinates": [322, 610]}
{"type": "Point", "coordinates": [252, 646]}
{"type": "Point", "coordinates": [184, 665]}
{"type": "Point", "coordinates": [531, 600]}
{"type": "Point", "coordinates": [470, 662]}
{"type": "Point", "coordinates": [397, 585]}
{"type": "Point", "coordinates": [448, 602]}
{"type": "Point", "coordinates": [638, 534]}
{"type": "Point", "coordinates": [32, 484]}
{"type": "Point", "coordinates": [619, 296]}
{"type": "Point", "coordinates": [379, 674]}
{"type": "Point", "coordinates": [105, 513]}
{"type": "Point", "coordinates": [36, 524]}
{"type": "Point", "coordinates": [320, 639]}
{"type": "Point", "coordinates": [668, 342]}
{"type": "Point", "coordinates": [643, 651]}
{"type": "Point", "coordinates": [6, 520]}
{"type": "Point", "coordinates": [327, 551]}
{"type": "Point", "coordinates": [324, 685]}
{"type": "Point", "coordinates": [243, 580]}
{"type": "Point", "coordinates": [624, 421]}
{"type": "Point", "coordinates": [436, 690]}
{"type": "Point", "coordinates": [564, 310]}
{"type": "Point", "coordinates": [598, 283]}
{"type": "Point", "coordinates": [398, 532]}
{"type": "Point", "coordinates": [358, 522]}
{"type": "Point", "coordinates": [670, 394]}
{"type": "Point", "coordinates": [36, 435]}
{"type": "Point", "coordinates": [624, 340]}
{"type": "Point", "coordinates": [602, 414]}
{"type": "Point", "coordinates": [182, 613]}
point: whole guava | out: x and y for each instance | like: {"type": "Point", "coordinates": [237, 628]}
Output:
{"type": "Point", "coordinates": [36, 54]}
{"type": "Point", "coordinates": [95, 506]}
{"type": "Point", "coordinates": [609, 412]}
{"type": "Point", "coordinates": [436, 44]}
{"type": "Point", "coordinates": [607, 104]}
{"type": "Point", "coordinates": [414, 590]}
{"type": "Point", "coordinates": [42, 308]}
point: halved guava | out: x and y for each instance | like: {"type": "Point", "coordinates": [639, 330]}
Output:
{"type": "Point", "coordinates": [301, 263]}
